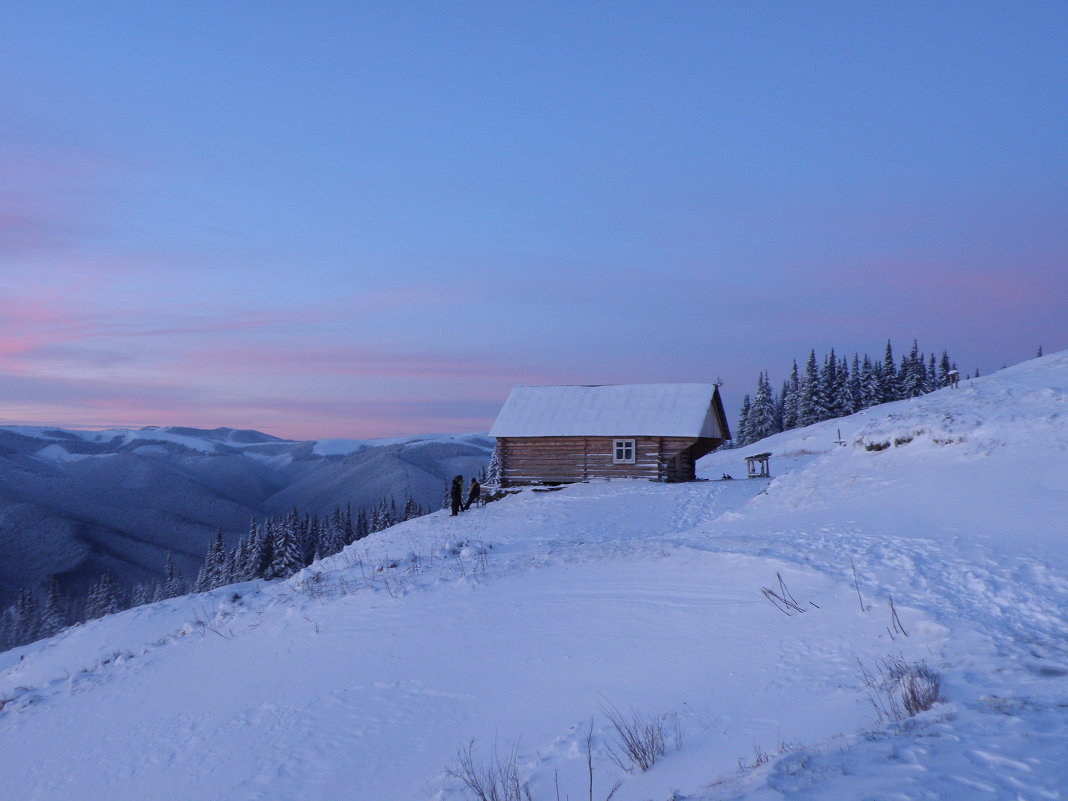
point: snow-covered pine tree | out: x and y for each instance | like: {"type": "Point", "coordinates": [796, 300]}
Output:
{"type": "Point", "coordinates": [807, 402]}
{"type": "Point", "coordinates": [7, 628]}
{"type": "Point", "coordinates": [330, 539]}
{"type": "Point", "coordinates": [780, 405]}
{"type": "Point", "coordinates": [262, 553]}
{"type": "Point", "coordinates": [173, 583]}
{"type": "Point", "coordinates": [110, 595]}
{"type": "Point", "coordinates": [141, 594]}
{"type": "Point", "coordinates": [411, 509]}
{"type": "Point", "coordinates": [493, 472]}
{"type": "Point", "coordinates": [889, 376]}
{"type": "Point", "coordinates": [348, 528]}
{"type": "Point", "coordinates": [761, 419]}
{"type": "Point", "coordinates": [232, 565]}
{"type": "Point", "coordinates": [337, 529]}
{"type": "Point", "coordinates": [910, 377]}
{"type": "Point", "coordinates": [201, 583]}
{"type": "Point", "coordinates": [943, 370]}
{"type": "Point", "coordinates": [104, 597]}
{"type": "Point", "coordinates": [873, 389]}
{"type": "Point", "coordinates": [362, 527]}
{"type": "Point", "coordinates": [823, 397]}
{"type": "Point", "coordinates": [54, 612]}
{"type": "Point", "coordinates": [212, 573]}
{"type": "Point", "coordinates": [854, 393]}
{"type": "Point", "coordinates": [741, 433]}
{"type": "Point", "coordinates": [316, 536]}
{"type": "Point", "coordinates": [930, 378]}
{"type": "Point", "coordinates": [379, 516]}
{"type": "Point", "coordinates": [287, 554]}
{"type": "Point", "coordinates": [27, 618]}
{"type": "Point", "coordinates": [841, 404]}
{"type": "Point", "coordinates": [309, 540]}
{"type": "Point", "coordinates": [790, 400]}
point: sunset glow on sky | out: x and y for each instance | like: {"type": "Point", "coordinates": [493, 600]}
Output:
{"type": "Point", "coordinates": [371, 219]}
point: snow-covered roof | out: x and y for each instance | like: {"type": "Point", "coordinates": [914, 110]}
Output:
{"type": "Point", "coordinates": [666, 410]}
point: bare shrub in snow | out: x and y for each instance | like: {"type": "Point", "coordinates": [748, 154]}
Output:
{"type": "Point", "coordinates": [640, 740]}
{"type": "Point", "coordinates": [783, 599]}
{"type": "Point", "coordinates": [762, 757]}
{"type": "Point", "coordinates": [589, 769]}
{"type": "Point", "coordinates": [898, 690]}
{"type": "Point", "coordinates": [498, 779]}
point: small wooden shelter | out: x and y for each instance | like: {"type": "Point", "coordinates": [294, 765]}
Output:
{"type": "Point", "coordinates": [563, 434]}
{"type": "Point", "coordinates": [758, 466]}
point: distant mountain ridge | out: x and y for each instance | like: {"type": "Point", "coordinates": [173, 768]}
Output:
{"type": "Point", "coordinates": [74, 502]}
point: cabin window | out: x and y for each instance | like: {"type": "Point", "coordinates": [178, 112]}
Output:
{"type": "Point", "coordinates": [623, 451]}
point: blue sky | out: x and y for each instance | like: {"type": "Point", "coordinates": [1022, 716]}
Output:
{"type": "Point", "coordinates": [345, 219]}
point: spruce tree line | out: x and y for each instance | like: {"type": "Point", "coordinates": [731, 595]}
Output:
{"type": "Point", "coordinates": [836, 389]}
{"type": "Point", "coordinates": [277, 547]}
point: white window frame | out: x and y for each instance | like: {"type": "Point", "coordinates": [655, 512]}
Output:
{"type": "Point", "coordinates": [620, 450]}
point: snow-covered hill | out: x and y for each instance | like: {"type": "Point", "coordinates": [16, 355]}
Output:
{"type": "Point", "coordinates": [77, 502]}
{"type": "Point", "coordinates": [518, 624]}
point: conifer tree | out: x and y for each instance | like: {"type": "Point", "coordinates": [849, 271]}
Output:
{"type": "Point", "coordinates": [262, 553]}
{"type": "Point", "coordinates": [943, 370]}
{"type": "Point", "coordinates": [930, 379]}
{"type": "Point", "coordinates": [54, 613]}
{"type": "Point", "coordinates": [780, 405]}
{"type": "Point", "coordinates": [200, 583]}
{"type": "Point", "coordinates": [216, 564]}
{"type": "Point", "coordinates": [840, 404]}
{"type": "Point", "coordinates": [854, 393]}
{"type": "Point", "coordinates": [310, 540]}
{"type": "Point", "coordinates": [27, 618]}
{"type": "Point", "coordinates": [348, 527]}
{"type": "Point", "coordinates": [741, 434]}
{"type": "Point", "coordinates": [173, 583]}
{"type": "Point", "coordinates": [336, 529]}
{"type": "Point", "coordinates": [889, 376]}
{"type": "Point", "coordinates": [287, 555]}
{"type": "Point", "coordinates": [7, 628]}
{"type": "Point", "coordinates": [213, 572]}
{"type": "Point", "coordinates": [872, 383]}
{"type": "Point", "coordinates": [761, 419]}
{"type": "Point", "coordinates": [411, 509]}
{"type": "Point", "coordinates": [910, 377]}
{"type": "Point", "coordinates": [807, 402]}
{"type": "Point", "coordinates": [824, 389]}
{"type": "Point", "coordinates": [790, 400]}
{"type": "Point", "coordinates": [141, 594]}
{"type": "Point", "coordinates": [493, 472]}
{"type": "Point", "coordinates": [103, 597]}
{"type": "Point", "coordinates": [232, 566]}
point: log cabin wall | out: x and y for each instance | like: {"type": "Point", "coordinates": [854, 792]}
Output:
{"type": "Point", "coordinates": [535, 460]}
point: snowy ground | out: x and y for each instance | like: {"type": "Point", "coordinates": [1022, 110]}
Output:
{"type": "Point", "coordinates": [521, 622]}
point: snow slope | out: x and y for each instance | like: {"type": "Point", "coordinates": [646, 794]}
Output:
{"type": "Point", "coordinates": [520, 622]}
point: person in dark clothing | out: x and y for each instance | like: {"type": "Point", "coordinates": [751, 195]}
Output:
{"type": "Point", "coordinates": [456, 495]}
{"type": "Point", "coordinates": [473, 493]}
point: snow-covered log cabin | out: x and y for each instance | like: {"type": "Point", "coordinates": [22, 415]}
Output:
{"type": "Point", "coordinates": [561, 434]}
